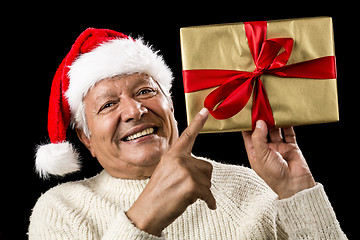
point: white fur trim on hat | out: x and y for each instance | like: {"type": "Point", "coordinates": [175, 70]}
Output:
{"type": "Point", "coordinates": [115, 57]}
{"type": "Point", "coordinates": [56, 159]}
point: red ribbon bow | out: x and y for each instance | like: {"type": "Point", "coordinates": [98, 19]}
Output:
{"type": "Point", "coordinates": [236, 87]}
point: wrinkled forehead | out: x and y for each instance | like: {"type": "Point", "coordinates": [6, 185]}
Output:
{"type": "Point", "coordinates": [115, 86]}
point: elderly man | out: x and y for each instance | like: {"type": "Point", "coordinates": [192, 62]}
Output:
{"type": "Point", "coordinates": [115, 92]}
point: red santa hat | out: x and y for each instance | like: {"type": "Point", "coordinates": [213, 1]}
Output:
{"type": "Point", "coordinates": [96, 54]}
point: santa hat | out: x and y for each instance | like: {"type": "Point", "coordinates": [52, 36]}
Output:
{"type": "Point", "coordinates": [96, 54]}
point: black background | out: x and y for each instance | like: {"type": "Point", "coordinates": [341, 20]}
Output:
{"type": "Point", "coordinates": [36, 38]}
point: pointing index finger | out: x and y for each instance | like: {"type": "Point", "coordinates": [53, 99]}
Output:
{"type": "Point", "coordinates": [188, 136]}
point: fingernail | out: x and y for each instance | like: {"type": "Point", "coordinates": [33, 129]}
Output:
{"type": "Point", "coordinates": [204, 111]}
{"type": "Point", "coordinates": [259, 124]}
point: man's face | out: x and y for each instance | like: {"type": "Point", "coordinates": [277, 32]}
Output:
{"type": "Point", "coordinates": [131, 124]}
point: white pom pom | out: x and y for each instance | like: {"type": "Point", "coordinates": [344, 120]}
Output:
{"type": "Point", "coordinates": [56, 159]}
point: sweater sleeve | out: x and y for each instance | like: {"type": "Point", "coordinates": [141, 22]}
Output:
{"type": "Point", "coordinates": [54, 219]}
{"type": "Point", "coordinates": [123, 228]}
{"type": "Point", "coordinates": [51, 220]}
{"type": "Point", "coordinates": [309, 215]}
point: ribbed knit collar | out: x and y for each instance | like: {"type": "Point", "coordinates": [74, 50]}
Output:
{"type": "Point", "coordinates": [117, 189]}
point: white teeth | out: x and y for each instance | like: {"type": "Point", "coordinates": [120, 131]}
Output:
{"type": "Point", "coordinates": [140, 134]}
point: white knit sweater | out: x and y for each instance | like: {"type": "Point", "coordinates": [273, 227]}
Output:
{"type": "Point", "coordinates": [246, 209]}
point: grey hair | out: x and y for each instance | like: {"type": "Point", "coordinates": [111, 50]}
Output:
{"type": "Point", "coordinates": [79, 120]}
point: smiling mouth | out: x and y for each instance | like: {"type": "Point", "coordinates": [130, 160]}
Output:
{"type": "Point", "coordinates": [143, 133]}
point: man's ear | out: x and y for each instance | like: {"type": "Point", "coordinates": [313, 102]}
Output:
{"type": "Point", "coordinates": [172, 109]}
{"type": "Point", "coordinates": [171, 103]}
{"type": "Point", "coordinates": [85, 140]}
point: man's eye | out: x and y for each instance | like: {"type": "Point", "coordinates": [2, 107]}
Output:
{"type": "Point", "coordinates": [144, 91]}
{"type": "Point", "coordinates": [147, 92]}
{"type": "Point", "coordinates": [106, 105]}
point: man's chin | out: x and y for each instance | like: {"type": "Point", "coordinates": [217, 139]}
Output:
{"type": "Point", "coordinates": [134, 167]}
{"type": "Point", "coordinates": [141, 156]}
{"type": "Point", "coordinates": [144, 155]}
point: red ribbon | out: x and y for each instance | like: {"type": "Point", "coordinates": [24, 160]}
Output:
{"type": "Point", "coordinates": [236, 87]}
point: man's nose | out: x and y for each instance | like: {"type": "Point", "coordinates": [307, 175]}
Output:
{"type": "Point", "coordinates": [132, 110]}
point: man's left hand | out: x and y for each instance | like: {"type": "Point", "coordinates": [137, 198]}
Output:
{"type": "Point", "coordinates": [278, 160]}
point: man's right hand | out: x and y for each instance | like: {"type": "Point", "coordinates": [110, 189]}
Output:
{"type": "Point", "coordinates": [177, 182]}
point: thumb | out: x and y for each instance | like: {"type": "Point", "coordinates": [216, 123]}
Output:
{"type": "Point", "coordinates": [259, 139]}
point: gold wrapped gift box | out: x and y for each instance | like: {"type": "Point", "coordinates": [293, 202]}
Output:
{"type": "Point", "coordinates": [294, 101]}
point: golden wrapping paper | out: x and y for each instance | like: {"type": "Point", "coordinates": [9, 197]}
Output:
{"type": "Point", "coordinates": [294, 101]}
